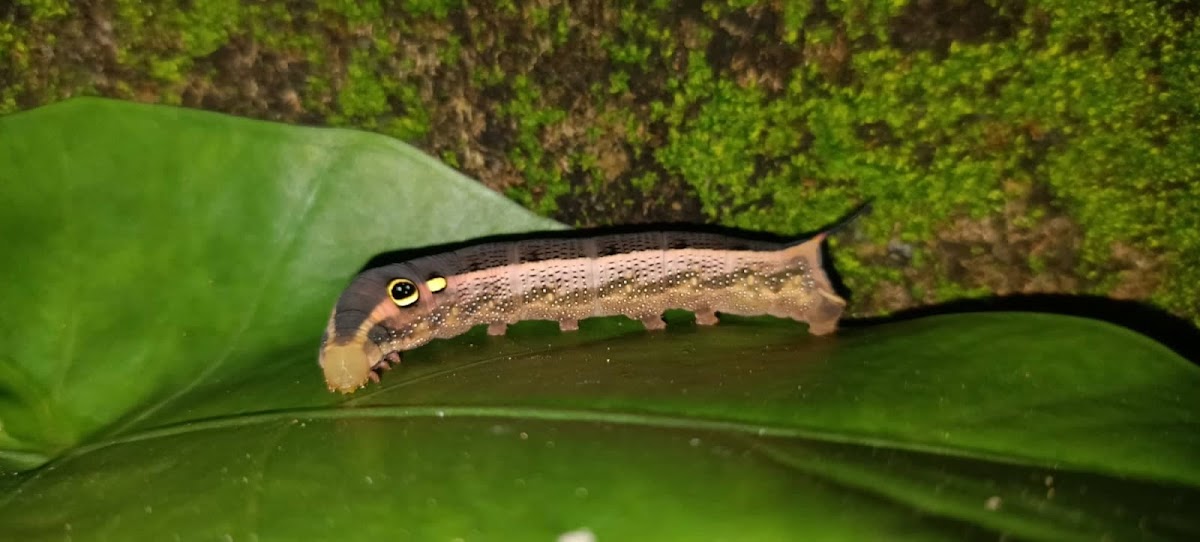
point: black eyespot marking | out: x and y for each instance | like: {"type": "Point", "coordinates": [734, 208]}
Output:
{"type": "Point", "coordinates": [403, 292]}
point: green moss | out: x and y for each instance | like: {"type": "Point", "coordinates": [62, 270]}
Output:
{"type": "Point", "coordinates": [363, 95]}
{"type": "Point", "coordinates": [640, 36]}
{"type": "Point", "coordinates": [12, 46]}
{"type": "Point", "coordinates": [645, 182]}
{"type": "Point", "coordinates": [165, 45]}
{"type": "Point", "coordinates": [438, 9]}
{"type": "Point", "coordinates": [45, 10]}
{"type": "Point", "coordinates": [528, 116]}
{"type": "Point", "coordinates": [354, 12]}
{"type": "Point", "coordinates": [1129, 166]}
{"type": "Point", "coordinates": [1037, 264]}
{"type": "Point", "coordinates": [793, 12]}
{"type": "Point", "coordinates": [952, 290]}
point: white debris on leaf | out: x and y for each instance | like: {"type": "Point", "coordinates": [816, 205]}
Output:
{"type": "Point", "coordinates": [579, 535]}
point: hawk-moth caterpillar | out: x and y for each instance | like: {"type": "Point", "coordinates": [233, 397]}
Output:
{"type": "Point", "coordinates": [392, 308]}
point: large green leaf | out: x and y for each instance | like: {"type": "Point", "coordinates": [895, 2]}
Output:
{"type": "Point", "coordinates": [167, 274]}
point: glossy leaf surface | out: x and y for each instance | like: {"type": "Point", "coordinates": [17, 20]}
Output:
{"type": "Point", "coordinates": [169, 272]}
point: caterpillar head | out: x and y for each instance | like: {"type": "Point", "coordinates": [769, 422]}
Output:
{"type": "Point", "coordinates": [382, 312]}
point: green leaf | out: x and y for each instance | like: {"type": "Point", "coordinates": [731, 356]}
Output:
{"type": "Point", "coordinates": [168, 274]}
{"type": "Point", "coordinates": [153, 252]}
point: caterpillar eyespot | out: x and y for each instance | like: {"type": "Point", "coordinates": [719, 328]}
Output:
{"type": "Point", "coordinates": [403, 292]}
{"type": "Point", "coordinates": [568, 279]}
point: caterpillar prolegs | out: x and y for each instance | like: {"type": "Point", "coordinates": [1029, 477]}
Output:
{"type": "Point", "coordinates": [392, 308]}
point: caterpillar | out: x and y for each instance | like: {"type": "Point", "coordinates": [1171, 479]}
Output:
{"type": "Point", "coordinates": [393, 308]}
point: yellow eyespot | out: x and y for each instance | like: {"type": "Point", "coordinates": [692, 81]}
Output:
{"type": "Point", "coordinates": [436, 283]}
{"type": "Point", "coordinates": [403, 292]}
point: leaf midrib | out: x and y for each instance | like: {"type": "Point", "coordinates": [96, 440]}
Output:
{"type": "Point", "coordinates": [648, 420]}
